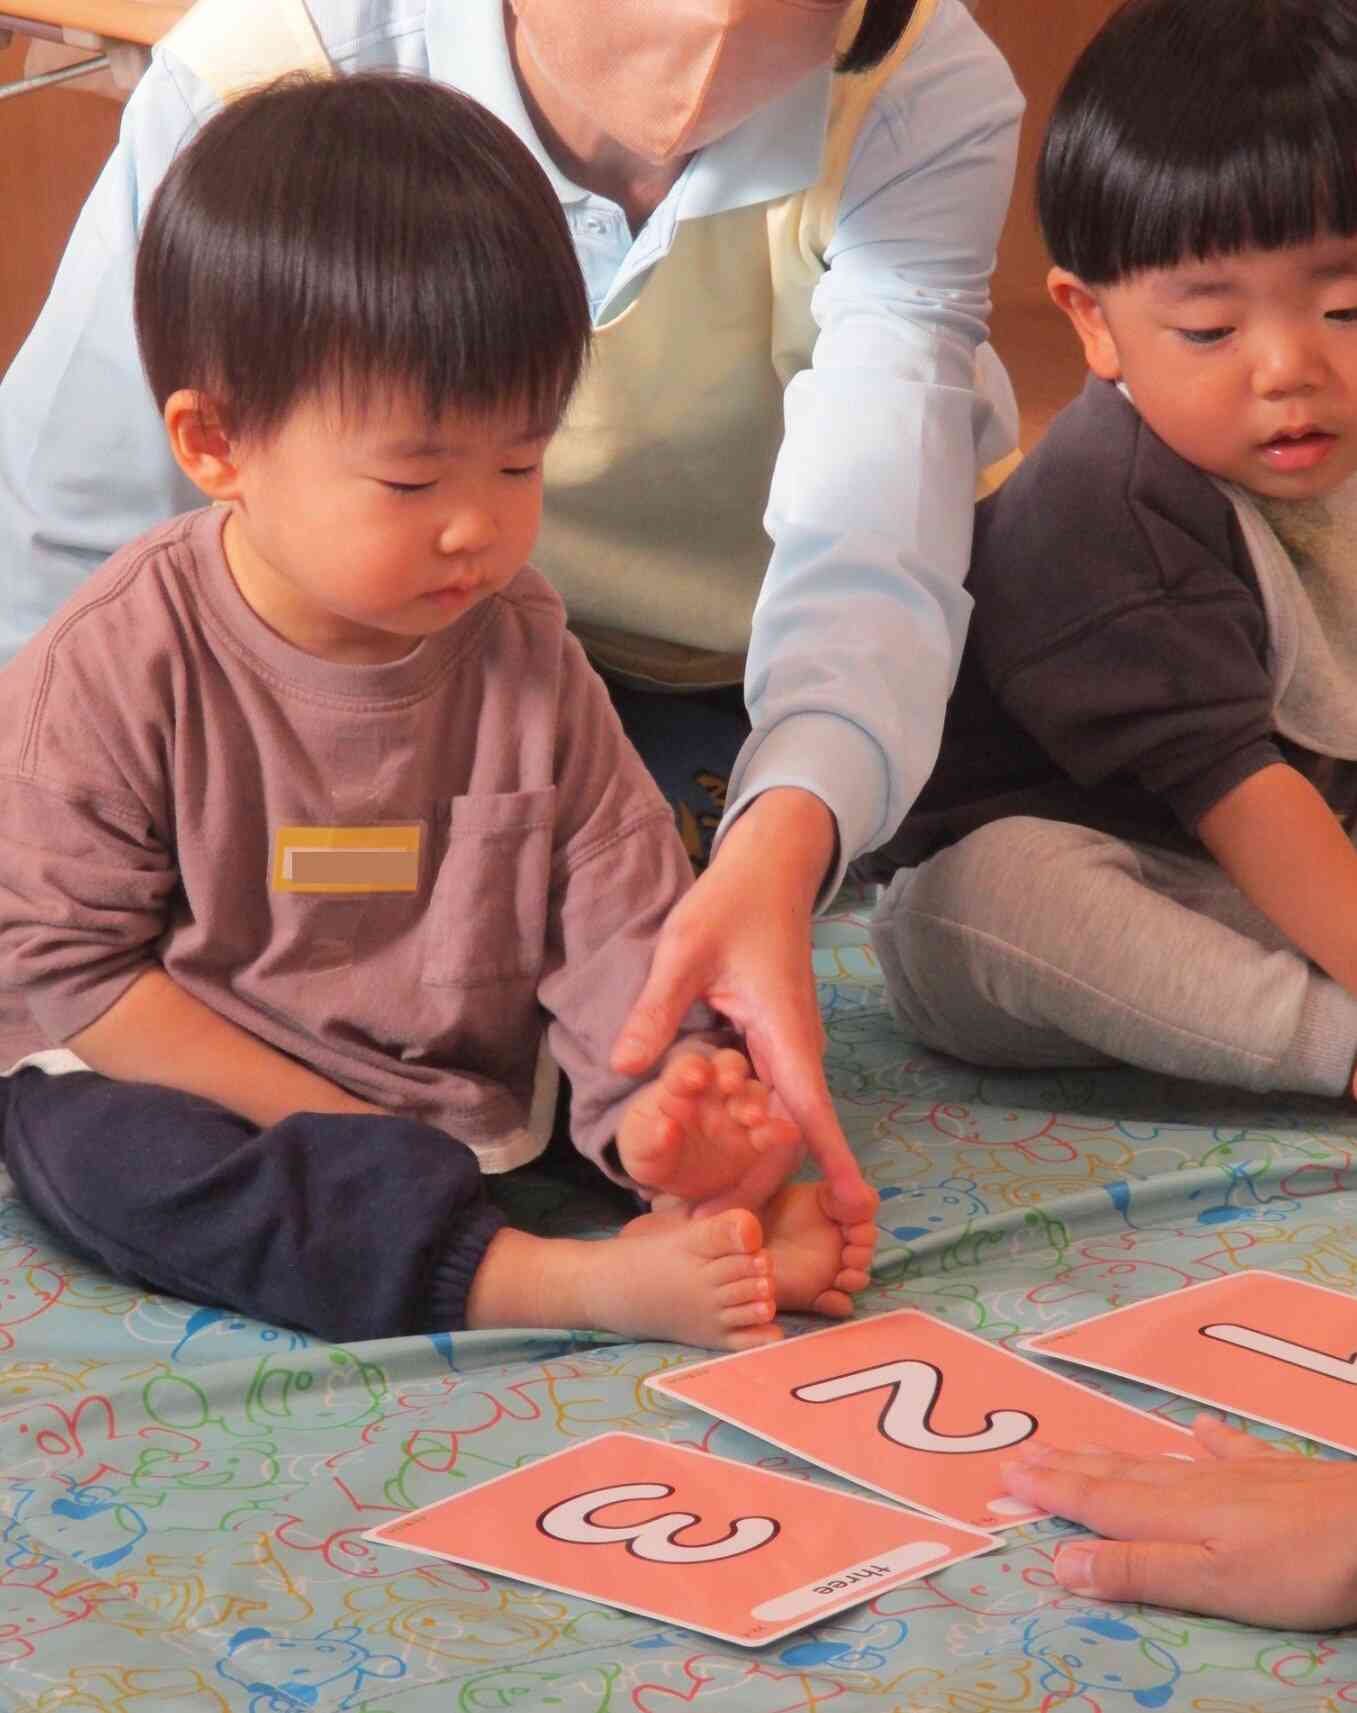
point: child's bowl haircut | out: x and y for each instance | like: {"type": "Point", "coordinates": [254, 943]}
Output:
{"type": "Point", "coordinates": [340, 237]}
{"type": "Point", "coordinates": [1191, 128]}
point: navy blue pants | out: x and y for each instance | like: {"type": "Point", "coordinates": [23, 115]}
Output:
{"type": "Point", "coordinates": [343, 1225]}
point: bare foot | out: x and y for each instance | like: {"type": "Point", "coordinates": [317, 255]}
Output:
{"type": "Point", "coordinates": [665, 1275]}
{"type": "Point", "coordinates": [702, 1128]}
{"type": "Point", "coordinates": [817, 1263]}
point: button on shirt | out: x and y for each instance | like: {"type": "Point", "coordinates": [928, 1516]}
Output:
{"type": "Point", "coordinates": [863, 611]}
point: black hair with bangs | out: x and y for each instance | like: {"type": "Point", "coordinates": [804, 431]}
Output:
{"type": "Point", "coordinates": [345, 237]}
{"type": "Point", "coordinates": [880, 27]}
{"type": "Point", "coordinates": [1191, 128]}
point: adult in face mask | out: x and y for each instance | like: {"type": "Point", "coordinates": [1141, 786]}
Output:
{"type": "Point", "coordinates": [786, 212]}
{"type": "Point", "coordinates": [656, 83]}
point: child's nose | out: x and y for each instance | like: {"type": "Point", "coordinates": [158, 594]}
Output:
{"type": "Point", "coordinates": [470, 529]}
{"type": "Point", "coordinates": [1290, 364]}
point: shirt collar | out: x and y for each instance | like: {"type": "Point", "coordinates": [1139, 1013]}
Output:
{"type": "Point", "coordinates": [774, 153]}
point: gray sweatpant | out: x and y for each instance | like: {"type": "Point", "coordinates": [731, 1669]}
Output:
{"type": "Point", "coordinates": [1038, 943]}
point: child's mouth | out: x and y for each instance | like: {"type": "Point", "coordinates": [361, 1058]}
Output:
{"type": "Point", "coordinates": [1303, 451]}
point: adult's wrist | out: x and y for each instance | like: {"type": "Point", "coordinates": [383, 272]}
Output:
{"type": "Point", "coordinates": [791, 834]}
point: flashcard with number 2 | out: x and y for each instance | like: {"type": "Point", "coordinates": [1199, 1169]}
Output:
{"type": "Point", "coordinates": [676, 1534]}
{"type": "Point", "coordinates": [915, 1409]}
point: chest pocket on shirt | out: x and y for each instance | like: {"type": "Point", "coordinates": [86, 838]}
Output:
{"type": "Point", "coordinates": [488, 911]}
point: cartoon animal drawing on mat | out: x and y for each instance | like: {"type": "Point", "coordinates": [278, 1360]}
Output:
{"type": "Point", "coordinates": [325, 1673]}
{"type": "Point", "coordinates": [716, 1683]}
{"type": "Point", "coordinates": [847, 1645]}
{"type": "Point", "coordinates": [203, 1335]}
{"type": "Point", "coordinates": [89, 1524]}
{"type": "Point", "coordinates": [218, 1324]}
{"type": "Point", "coordinates": [1102, 1653]}
{"type": "Point", "coordinates": [954, 1198]}
{"type": "Point", "coordinates": [37, 1597]}
{"type": "Point", "coordinates": [29, 1286]}
{"type": "Point", "coordinates": [581, 1688]}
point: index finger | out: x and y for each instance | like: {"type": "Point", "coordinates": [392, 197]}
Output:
{"type": "Point", "coordinates": [785, 1047]}
{"type": "Point", "coordinates": [1137, 1498]}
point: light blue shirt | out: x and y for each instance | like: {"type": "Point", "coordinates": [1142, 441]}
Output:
{"type": "Point", "coordinates": [863, 611]}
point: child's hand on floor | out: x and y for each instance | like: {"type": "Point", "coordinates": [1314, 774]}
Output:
{"type": "Point", "coordinates": [704, 1133]}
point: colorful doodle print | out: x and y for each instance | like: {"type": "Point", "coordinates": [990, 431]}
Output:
{"type": "Point", "coordinates": [183, 1493]}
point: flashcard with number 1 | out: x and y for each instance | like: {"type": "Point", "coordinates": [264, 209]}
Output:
{"type": "Point", "coordinates": [676, 1534]}
{"type": "Point", "coordinates": [1278, 1349]}
{"type": "Point", "coordinates": [916, 1409]}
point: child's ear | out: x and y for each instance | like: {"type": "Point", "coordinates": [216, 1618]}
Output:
{"type": "Point", "coordinates": [201, 444]}
{"type": "Point", "coordinates": [1070, 293]}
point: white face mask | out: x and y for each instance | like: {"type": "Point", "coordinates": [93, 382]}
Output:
{"type": "Point", "coordinates": [665, 77]}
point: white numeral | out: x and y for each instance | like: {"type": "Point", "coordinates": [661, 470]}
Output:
{"type": "Point", "coordinates": [572, 1520]}
{"type": "Point", "coordinates": [1342, 1368]}
{"type": "Point", "coordinates": [914, 1390]}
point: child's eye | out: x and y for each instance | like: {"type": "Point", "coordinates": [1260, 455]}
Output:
{"type": "Point", "coordinates": [408, 487]}
{"type": "Point", "coordinates": [1342, 315]}
{"type": "Point", "coordinates": [521, 469]}
{"type": "Point", "coordinates": [1204, 335]}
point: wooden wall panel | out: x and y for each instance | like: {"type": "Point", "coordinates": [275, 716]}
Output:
{"type": "Point", "coordinates": [52, 146]}
{"type": "Point", "coordinates": [1040, 39]}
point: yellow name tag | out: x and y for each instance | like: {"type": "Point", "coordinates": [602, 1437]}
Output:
{"type": "Point", "coordinates": [346, 859]}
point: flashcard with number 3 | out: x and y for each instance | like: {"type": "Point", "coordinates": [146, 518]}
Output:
{"type": "Point", "coordinates": [676, 1534]}
{"type": "Point", "coordinates": [914, 1408]}
{"type": "Point", "coordinates": [1281, 1350]}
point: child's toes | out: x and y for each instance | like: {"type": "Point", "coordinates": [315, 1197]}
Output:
{"type": "Point", "coordinates": [680, 1107]}
{"type": "Point", "coordinates": [858, 1254]}
{"type": "Point", "coordinates": [731, 1069]}
{"type": "Point", "coordinates": [774, 1133]}
{"type": "Point", "coordinates": [650, 1147]}
{"type": "Point", "coordinates": [746, 1303]}
{"type": "Point", "coordinates": [748, 1273]}
{"type": "Point", "coordinates": [749, 1102]}
{"type": "Point", "coordinates": [687, 1075]}
{"type": "Point", "coordinates": [754, 1288]}
{"type": "Point", "coordinates": [756, 1313]}
{"type": "Point", "coordinates": [751, 1337]}
{"type": "Point", "coordinates": [734, 1232]}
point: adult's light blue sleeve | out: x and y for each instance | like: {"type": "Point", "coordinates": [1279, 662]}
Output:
{"type": "Point", "coordinates": [859, 627]}
{"type": "Point", "coordinates": [84, 464]}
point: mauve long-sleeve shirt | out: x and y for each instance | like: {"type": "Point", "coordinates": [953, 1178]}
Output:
{"type": "Point", "coordinates": [400, 874]}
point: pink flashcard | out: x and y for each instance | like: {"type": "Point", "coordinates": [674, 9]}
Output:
{"type": "Point", "coordinates": [679, 1535]}
{"type": "Point", "coordinates": [914, 1408]}
{"type": "Point", "coordinates": [1281, 1350]}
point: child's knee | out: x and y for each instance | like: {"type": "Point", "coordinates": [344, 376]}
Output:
{"type": "Point", "coordinates": [996, 878]}
{"type": "Point", "coordinates": [938, 927]}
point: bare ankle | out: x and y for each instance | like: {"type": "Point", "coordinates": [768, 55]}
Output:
{"type": "Point", "coordinates": [705, 1282]}
{"type": "Point", "coordinates": [529, 1281]}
